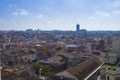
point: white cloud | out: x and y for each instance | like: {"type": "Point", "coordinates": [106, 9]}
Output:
{"type": "Point", "coordinates": [21, 12]}
{"type": "Point", "coordinates": [116, 12]}
{"type": "Point", "coordinates": [15, 13]}
{"type": "Point", "coordinates": [12, 5]}
{"type": "Point", "coordinates": [102, 13]}
{"type": "Point", "coordinates": [40, 16]}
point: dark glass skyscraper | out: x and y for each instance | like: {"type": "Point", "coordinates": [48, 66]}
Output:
{"type": "Point", "coordinates": [77, 27]}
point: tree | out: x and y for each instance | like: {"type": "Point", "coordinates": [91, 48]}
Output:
{"type": "Point", "coordinates": [46, 70]}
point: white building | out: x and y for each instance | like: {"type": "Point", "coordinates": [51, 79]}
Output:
{"type": "Point", "coordinates": [110, 58]}
{"type": "Point", "coordinates": [108, 72]}
{"type": "Point", "coordinates": [89, 47]}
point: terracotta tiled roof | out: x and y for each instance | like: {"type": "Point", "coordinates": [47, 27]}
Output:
{"type": "Point", "coordinates": [59, 78]}
{"type": "Point", "coordinates": [22, 53]}
{"type": "Point", "coordinates": [8, 75]}
{"type": "Point", "coordinates": [83, 69]}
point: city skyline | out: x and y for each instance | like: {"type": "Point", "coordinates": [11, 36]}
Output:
{"type": "Point", "coordinates": [59, 14]}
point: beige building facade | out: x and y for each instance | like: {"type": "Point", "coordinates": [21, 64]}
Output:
{"type": "Point", "coordinates": [116, 45]}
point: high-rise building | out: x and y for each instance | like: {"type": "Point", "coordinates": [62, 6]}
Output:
{"type": "Point", "coordinates": [77, 27]}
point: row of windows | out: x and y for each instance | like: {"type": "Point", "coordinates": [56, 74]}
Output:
{"type": "Point", "coordinates": [117, 78]}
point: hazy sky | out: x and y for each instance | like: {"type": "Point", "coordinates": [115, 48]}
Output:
{"type": "Point", "coordinates": [59, 14]}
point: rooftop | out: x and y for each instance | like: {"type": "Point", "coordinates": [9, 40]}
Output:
{"type": "Point", "coordinates": [111, 69]}
{"type": "Point", "coordinates": [83, 69]}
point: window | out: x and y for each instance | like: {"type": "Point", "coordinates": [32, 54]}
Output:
{"type": "Point", "coordinates": [116, 78]}
{"type": "Point", "coordinates": [108, 78]}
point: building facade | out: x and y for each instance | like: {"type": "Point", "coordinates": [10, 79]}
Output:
{"type": "Point", "coordinates": [110, 73]}
{"type": "Point", "coordinates": [116, 45]}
